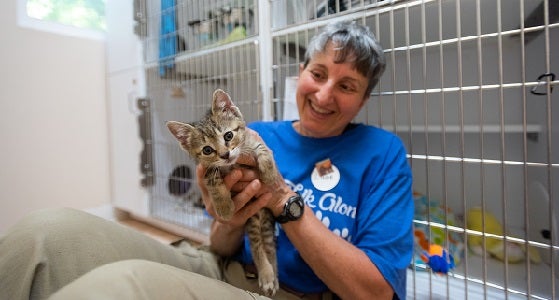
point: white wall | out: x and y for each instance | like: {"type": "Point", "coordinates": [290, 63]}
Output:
{"type": "Point", "coordinates": [125, 84]}
{"type": "Point", "coordinates": [53, 120]}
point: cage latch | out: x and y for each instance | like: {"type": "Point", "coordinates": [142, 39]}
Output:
{"type": "Point", "coordinates": [542, 81]}
{"type": "Point", "coordinates": [146, 156]}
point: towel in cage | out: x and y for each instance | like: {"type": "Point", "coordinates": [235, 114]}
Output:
{"type": "Point", "coordinates": [433, 212]}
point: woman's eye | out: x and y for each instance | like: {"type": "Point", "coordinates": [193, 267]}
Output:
{"type": "Point", "coordinates": [228, 136]}
{"type": "Point", "coordinates": [347, 88]}
{"type": "Point", "coordinates": [207, 150]}
{"type": "Point", "coordinates": [316, 75]}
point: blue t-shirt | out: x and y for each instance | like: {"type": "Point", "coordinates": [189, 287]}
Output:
{"type": "Point", "coordinates": [363, 195]}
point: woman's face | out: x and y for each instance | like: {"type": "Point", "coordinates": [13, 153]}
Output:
{"type": "Point", "coordinates": [329, 95]}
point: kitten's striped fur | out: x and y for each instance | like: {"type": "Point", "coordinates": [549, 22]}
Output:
{"type": "Point", "coordinates": [216, 142]}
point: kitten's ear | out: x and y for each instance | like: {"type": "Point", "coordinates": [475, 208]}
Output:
{"type": "Point", "coordinates": [221, 100]}
{"type": "Point", "coordinates": [181, 131]}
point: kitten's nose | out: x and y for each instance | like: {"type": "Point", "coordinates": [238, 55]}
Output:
{"type": "Point", "coordinates": [225, 155]}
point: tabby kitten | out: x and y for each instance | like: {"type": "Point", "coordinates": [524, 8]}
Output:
{"type": "Point", "coordinates": [216, 142]}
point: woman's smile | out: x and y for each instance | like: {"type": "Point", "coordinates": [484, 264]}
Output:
{"type": "Point", "coordinates": [319, 110]}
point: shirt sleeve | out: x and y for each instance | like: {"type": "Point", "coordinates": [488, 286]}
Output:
{"type": "Point", "coordinates": [385, 216]}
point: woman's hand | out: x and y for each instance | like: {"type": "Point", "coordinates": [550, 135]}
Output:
{"type": "Point", "coordinates": [279, 191]}
{"type": "Point", "coordinates": [244, 186]}
{"type": "Point", "coordinates": [226, 235]}
{"type": "Point", "coordinates": [249, 196]}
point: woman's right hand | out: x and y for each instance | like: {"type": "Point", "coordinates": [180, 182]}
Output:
{"type": "Point", "coordinates": [247, 194]}
{"type": "Point", "coordinates": [226, 236]}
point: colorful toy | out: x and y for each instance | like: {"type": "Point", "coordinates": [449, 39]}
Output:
{"type": "Point", "coordinates": [438, 259]}
{"type": "Point", "coordinates": [434, 256]}
{"type": "Point", "coordinates": [428, 239]}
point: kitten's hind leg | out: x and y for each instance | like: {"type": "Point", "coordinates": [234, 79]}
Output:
{"type": "Point", "coordinates": [261, 243]}
{"type": "Point", "coordinates": [268, 239]}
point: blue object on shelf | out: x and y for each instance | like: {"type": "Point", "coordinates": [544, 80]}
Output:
{"type": "Point", "coordinates": [167, 37]}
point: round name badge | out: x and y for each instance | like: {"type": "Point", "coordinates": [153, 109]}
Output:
{"type": "Point", "coordinates": [325, 176]}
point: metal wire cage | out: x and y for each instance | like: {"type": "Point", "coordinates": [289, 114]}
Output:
{"type": "Point", "coordinates": [191, 49]}
{"type": "Point", "coordinates": [469, 88]}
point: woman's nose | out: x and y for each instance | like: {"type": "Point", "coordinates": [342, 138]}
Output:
{"type": "Point", "coordinates": [325, 93]}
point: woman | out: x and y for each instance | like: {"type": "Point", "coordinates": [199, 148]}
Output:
{"type": "Point", "coordinates": [367, 195]}
{"type": "Point", "coordinates": [344, 209]}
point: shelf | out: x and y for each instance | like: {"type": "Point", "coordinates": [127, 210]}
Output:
{"type": "Point", "coordinates": [217, 47]}
{"type": "Point", "coordinates": [468, 128]}
{"type": "Point", "coordinates": [532, 131]}
{"type": "Point", "coordinates": [201, 65]}
{"type": "Point", "coordinates": [204, 52]}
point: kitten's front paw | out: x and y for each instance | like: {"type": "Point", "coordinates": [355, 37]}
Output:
{"type": "Point", "coordinates": [268, 283]}
{"type": "Point", "coordinates": [268, 173]}
{"type": "Point", "coordinates": [224, 208]}
{"type": "Point", "coordinates": [269, 179]}
{"type": "Point", "coordinates": [226, 213]}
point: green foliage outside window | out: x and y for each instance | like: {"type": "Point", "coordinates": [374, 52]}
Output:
{"type": "Point", "coordinates": [88, 14]}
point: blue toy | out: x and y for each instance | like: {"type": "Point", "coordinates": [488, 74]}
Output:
{"type": "Point", "coordinates": [438, 259]}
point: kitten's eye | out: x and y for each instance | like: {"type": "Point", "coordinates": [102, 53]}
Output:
{"type": "Point", "coordinates": [207, 150]}
{"type": "Point", "coordinates": [228, 136]}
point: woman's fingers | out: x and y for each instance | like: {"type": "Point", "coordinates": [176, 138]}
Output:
{"type": "Point", "coordinates": [245, 195]}
{"type": "Point", "coordinates": [240, 179]}
{"type": "Point", "coordinates": [254, 206]}
{"type": "Point", "coordinates": [244, 186]}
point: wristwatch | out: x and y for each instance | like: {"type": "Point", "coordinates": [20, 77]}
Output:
{"type": "Point", "coordinates": [293, 210]}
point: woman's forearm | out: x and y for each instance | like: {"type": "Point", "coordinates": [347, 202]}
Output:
{"type": "Point", "coordinates": [344, 268]}
{"type": "Point", "coordinates": [224, 239]}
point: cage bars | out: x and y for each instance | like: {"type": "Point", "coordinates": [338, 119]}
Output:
{"type": "Point", "coordinates": [449, 64]}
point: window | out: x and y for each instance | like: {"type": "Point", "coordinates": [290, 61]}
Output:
{"type": "Point", "coordinates": [83, 18]}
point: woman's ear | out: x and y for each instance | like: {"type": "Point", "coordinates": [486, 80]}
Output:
{"type": "Point", "coordinates": [301, 68]}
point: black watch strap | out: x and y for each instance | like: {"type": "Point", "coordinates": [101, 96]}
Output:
{"type": "Point", "coordinates": [293, 210]}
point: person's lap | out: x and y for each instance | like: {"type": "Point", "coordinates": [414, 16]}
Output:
{"type": "Point", "coordinates": [83, 256]}
{"type": "Point", "coordinates": [140, 279]}
{"type": "Point", "coordinates": [48, 249]}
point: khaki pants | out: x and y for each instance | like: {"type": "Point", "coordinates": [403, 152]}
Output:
{"type": "Point", "coordinates": [80, 256]}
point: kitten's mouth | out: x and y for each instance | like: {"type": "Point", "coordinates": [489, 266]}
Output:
{"type": "Point", "coordinates": [233, 156]}
{"type": "Point", "coordinates": [231, 161]}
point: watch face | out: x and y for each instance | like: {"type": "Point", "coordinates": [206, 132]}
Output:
{"type": "Point", "coordinates": [292, 211]}
{"type": "Point", "coordinates": [295, 209]}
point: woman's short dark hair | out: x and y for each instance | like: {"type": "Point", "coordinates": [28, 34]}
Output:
{"type": "Point", "coordinates": [356, 44]}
